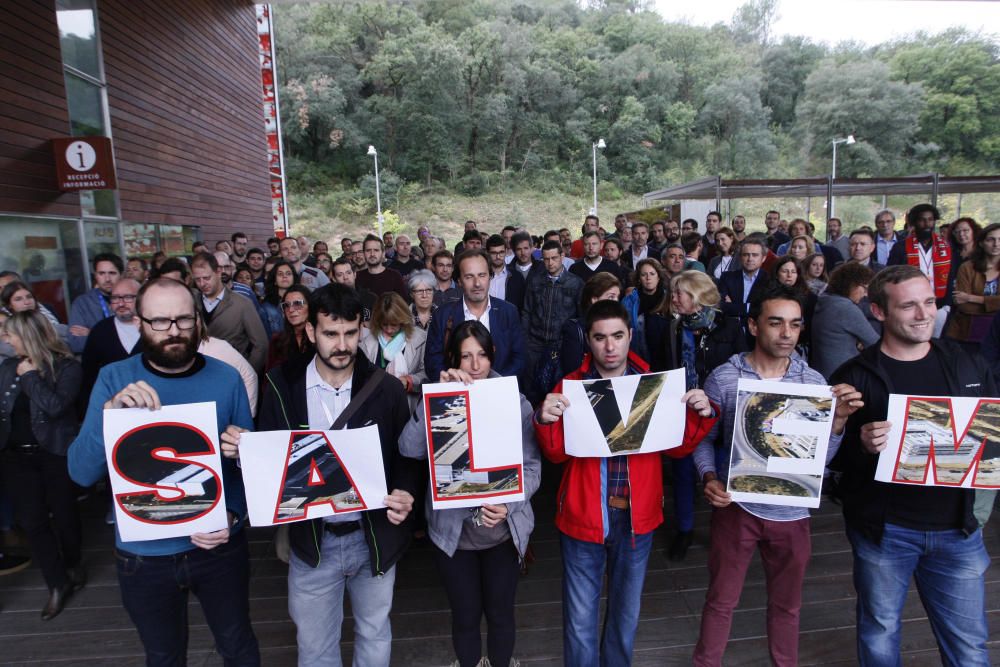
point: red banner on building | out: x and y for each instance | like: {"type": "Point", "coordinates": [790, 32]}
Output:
{"type": "Point", "coordinates": [272, 120]}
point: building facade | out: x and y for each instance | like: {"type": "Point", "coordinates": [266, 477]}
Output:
{"type": "Point", "coordinates": [176, 86]}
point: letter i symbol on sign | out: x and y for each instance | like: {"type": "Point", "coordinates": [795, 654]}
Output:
{"type": "Point", "coordinates": [315, 476]}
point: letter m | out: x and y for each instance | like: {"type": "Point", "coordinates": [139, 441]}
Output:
{"type": "Point", "coordinates": [934, 450]}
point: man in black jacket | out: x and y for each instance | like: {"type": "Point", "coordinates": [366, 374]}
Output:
{"type": "Point", "coordinates": [593, 262]}
{"type": "Point", "coordinates": [356, 551]}
{"type": "Point", "coordinates": [902, 531]}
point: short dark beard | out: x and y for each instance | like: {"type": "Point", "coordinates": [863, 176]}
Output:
{"type": "Point", "coordinates": [158, 355]}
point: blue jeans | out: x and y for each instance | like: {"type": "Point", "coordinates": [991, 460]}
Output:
{"type": "Point", "coordinates": [625, 556]}
{"type": "Point", "coordinates": [948, 567]}
{"type": "Point", "coordinates": [155, 589]}
{"type": "Point", "coordinates": [316, 604]}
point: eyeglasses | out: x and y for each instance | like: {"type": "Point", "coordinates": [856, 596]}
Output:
{"type": "Point", "coordinates": [127, 298]}
{"type": "Point", "coordinates": [424, 291]}
{"type": "Point", "coordinates": [298, 303]}
{"type": "Point", "coordinates": [184, 322]}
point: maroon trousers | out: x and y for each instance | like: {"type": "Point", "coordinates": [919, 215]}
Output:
{"type": "Point", "coordinates": [785, 548]}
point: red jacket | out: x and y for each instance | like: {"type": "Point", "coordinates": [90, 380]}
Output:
{"type": "Point", "coordinates": [581, 504]}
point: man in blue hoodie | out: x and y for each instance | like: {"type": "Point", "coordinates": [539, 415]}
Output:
{"type": "Point", "coordinates": [155, 575]}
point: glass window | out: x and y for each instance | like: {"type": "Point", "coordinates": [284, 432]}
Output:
{"type": "Point", "coordinates": [172, 240]}
{"type": "Point", "coordinates": [101, 237]}
{"type": "Point", "coordinates": [99, 203]}
{"type": "Point", "coordinates": [46, 253]}
{"type": "Point", "coordinates": [78, 36]}
{"type": "Point", "coordinates": [86, 107]}
{"type": "Point", "coordinates": [140, 240]}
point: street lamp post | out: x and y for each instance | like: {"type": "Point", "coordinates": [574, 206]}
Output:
{"type": "Point", "coordinates": [848, 140]}
{"type": "Point", "coordinates": [600, 144]}
{"type": "Point", "coordinates": [378, 194]}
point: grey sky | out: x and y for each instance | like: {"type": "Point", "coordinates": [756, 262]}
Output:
{"type": "Point", "coordinates": [832, 21]}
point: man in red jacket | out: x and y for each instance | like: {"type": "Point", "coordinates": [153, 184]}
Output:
{"type": "Point", "coordinates": [608, 507]}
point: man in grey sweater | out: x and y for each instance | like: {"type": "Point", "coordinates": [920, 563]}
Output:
{"type": "Point", "coordinates": [739, 529]}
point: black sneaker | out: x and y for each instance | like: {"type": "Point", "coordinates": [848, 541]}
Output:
{"type": "Point", "coordinates": [679, 547]}
{"type": "Point", "coordinates": [11, 563]}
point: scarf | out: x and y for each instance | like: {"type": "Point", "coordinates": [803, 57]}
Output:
{"type": "Point", "coordinates": [648, 302]}
{"type": "Point", "coordinates": [702, 319]}
{"type": "Point", "coordinates": [390, 348]}
{"type": "Point", "coordinates": [940, 256]}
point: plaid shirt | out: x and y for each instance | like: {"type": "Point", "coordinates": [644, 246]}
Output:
{"type": "Point", "coordinates": [617, 466]}
{"type": "Point", "coordinates": [618, 476]}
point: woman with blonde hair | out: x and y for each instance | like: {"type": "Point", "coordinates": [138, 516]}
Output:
{"type": "Point", "coordinates": [396, 345]}
{"type": "Point", "coordinates": [801, 247]}
{"type": "Point", "coordinates": [700, 339]}
{"type": "Point", "coordinates": [37, 424]}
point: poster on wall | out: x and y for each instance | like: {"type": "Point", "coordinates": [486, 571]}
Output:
{"type": "Point", "coordinates": [298, 475]}
{"type": "Point", "coordinates": [165, 470]}
{"type": "Point", "coordinates": [474, 442]}
{"type": "Point", "coordinates": [632, 414]}
{"type": "Point", "coordinates": [942, 441]}
{"type": "Point", "coordinates": [780, 438]}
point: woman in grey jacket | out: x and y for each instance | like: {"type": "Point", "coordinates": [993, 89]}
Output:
{"type": "Point", "coordinates": [839, 327]}
{"type": "Point", "coordinates": [37, 423]}
{"type": "Point", "coordinates": [478, 552]}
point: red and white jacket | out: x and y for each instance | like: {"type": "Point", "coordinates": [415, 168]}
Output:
{"type": "Point", "coordinates": [582, 502]}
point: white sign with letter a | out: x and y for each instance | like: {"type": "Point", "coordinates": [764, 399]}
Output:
{"type": "Point", "coordinates": [297, 475]}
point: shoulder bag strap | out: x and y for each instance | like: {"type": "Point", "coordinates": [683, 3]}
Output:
{"type": "Point", "coordinates": [358, 400]}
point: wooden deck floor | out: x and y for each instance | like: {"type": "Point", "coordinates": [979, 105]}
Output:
{"type": "Point", "coordinates": [94, 629]}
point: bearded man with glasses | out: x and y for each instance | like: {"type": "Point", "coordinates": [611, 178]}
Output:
{"type": "Point", "coordinates": [156, 576]}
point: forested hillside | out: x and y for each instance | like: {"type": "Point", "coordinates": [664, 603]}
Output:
{"type": "Point", "coordinates": [472, 96]}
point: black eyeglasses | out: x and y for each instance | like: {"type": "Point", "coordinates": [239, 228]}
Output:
{"type": "Point", "coordinates": [128, 298]}
{"type": "Point", "coordinates": [184, 322]}
{"type": "Point", "coordinates": [298, 303]}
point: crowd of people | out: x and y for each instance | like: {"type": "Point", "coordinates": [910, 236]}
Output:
{"type": "Point", "coordinates": [287, 336]}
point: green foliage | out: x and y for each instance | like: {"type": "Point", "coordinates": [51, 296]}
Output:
{"type": "Point", "coordinates": [480, 96]}
{"type": "Point", "coordinates": [859, 98]}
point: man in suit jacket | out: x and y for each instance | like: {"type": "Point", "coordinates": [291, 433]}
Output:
{"type": "Point", "coordinates": [505, 283]}
{"type": "Point", "coordinates": [227, 315]}
{"type": "Point", "coordinates": [737, 288]}
{"type": "Point", "coordinates": [472, 269]}
{"type": "Point", "coordinates": [862, 248]}
{"type": "Point", "coordinates": [640, 248]}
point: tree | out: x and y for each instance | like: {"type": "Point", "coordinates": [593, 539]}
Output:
{"type": "Point", "coordinates": [784, 68]}
{"type": "Point", "coordinates": [859, 98]}
{"type": "Point", "coordinates": [961, 77]}
{"type": "Point", "coordinates": [752, 21]}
